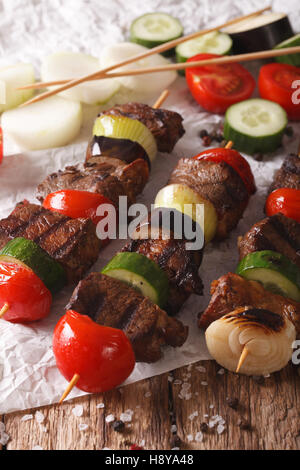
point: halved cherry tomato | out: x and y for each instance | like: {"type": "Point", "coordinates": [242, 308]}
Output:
{"type": "Point", "coordinates": [275, 84]}
{"type": "Point", "coordinates": [1, 145]}
{"type": "Point", "coordinates": [286, 201]}
{"type": "Point", "coordinates": [235, 160]}
{"type": "Point", "coordinates": [27, 296]}
{"type": "Point", "coordinates": [103, 357]}
{"type": "Point", "coordinates": [76, 204]}
{"type": "Point", "coordinates": [216, 87]}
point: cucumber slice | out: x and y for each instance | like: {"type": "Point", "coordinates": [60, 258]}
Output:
{"type": "Point", "coordinates": [276, 272]}
{"type": "Point", "coordinates": [141, 273]}
{"type": "Point", "coordinates": [212, 43]}
{"type": "Point", "coordinates": [152, 29]}
{"type": "Point", "coordinates": [21, 250]}
{"type": "Point", "coordinates": [291, 59]}
{"type": "Point", "coordinates": [122, 127]}
{"type": "Point", "coordinates": [255, 125]}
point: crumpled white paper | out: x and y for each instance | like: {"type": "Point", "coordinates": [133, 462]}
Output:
{"type": "Point", "coordinates": [31, 29]}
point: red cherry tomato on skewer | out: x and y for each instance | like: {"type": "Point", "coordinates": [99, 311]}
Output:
{"type": "Point", "coordinates": [286, 201]}
{"type": "Point", "coordinates": [26, 295]}
{"type": "Point", "coordinates": [102, 357]}
{"type": "Point", "coordinates": [275, 84]}
{"type": "Point", "coordinates": [216, 87]}
{"type": "Point", "coordinates": [76, 204]}
{"type": "Point", "coordinates": [235, 160]}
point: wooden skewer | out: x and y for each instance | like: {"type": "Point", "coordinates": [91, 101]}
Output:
{"type": "Point", "coordinates": [243, 357]}
{"type": "Point", "coordinates": [69, 388]}
{"type": "Point", "coordinates": [231, 59]}
{"type": "Point", "coordinates": [155, 50]}
{"type": "Point", "coordinates": [229, 145]}
{"type": "Point", "coordinates": [161, 99]}
{"type": "Point", "coordinates": [76, 377]}
{"type": "Point", "coordinates": [4, 309]}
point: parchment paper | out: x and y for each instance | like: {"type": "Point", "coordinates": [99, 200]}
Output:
{"type": "Point", "coordinates": [28, 31]}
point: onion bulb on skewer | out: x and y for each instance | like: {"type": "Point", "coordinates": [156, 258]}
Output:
{"type": "Point", "coordinates": [251, 341]}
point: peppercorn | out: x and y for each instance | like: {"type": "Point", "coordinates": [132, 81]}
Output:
{"type": "Point", "coordinates": [176, 441]}
{"type": "Point", "coordinates": [206, 141]}
{"type": "Point", "coordinates": [203, 133]}
{"type": "Point", "coordinates": [220, 138]}
{"type": "Point", "coordinates": [203, 427]}
{"type": "Point", "coordinates": [259, 379]}
{"type": "Point", "coordinates": [243, 424]}
{"type": "Point", "coordinates": [232, 402]}
{"type": "Point", "coordinates": [118, 426]}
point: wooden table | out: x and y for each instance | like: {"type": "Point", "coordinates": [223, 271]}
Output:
{"type": "Point", "coordinates": [271, 409]}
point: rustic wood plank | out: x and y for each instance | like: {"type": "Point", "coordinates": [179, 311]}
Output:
{"type": "Point", "coordinates": [271, 409]}
{"type": "Point", "coordinates": [150, 422]}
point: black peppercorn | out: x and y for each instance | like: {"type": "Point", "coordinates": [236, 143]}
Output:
{"type": "Point", "coordinates": [203, 427]}
{"type": "Point", "coordinates": [203, 133]}
{"type": "Point", "coordinates": [232, 403]}
{"type": "Point", "coordinates": [118, 426]}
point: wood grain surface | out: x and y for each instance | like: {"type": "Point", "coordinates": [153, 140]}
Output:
{"type": "Point", "coordinates": [170, 411]}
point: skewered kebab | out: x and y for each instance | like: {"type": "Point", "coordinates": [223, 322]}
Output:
{"type": "Point", "coordinates": [78, 249]}
{"type": "Point", "coordinates": [269, 253]}
{"type": "Point", "coordinates": [140, 264]}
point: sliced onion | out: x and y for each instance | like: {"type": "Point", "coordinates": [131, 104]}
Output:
{"type": "Point", "coordinates": [67, 65]}
{"type": "Point", "coordinates": [11, 78]}
{"type": "Point", "coordinates": [49, 123]}
{"type": "Point", "coordinates": [148, 83]}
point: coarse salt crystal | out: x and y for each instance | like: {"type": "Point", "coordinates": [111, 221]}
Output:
{"type": "Point", "coordinates": [2, 426]}
{"type": "Point", "coordinates": [175, 448]}
{"type": "Point", "coordinates": [109, 418]}
{"type": "Point", "coordinates": [126, 417]}
{"type": "Point", "coordinates": [220, 429]}
{"type": "Point", "coordinates": [173, 428]}
{"type": "Point", "coordinates": [211, 407]}
{"type": "Point", "coordinates": [78, 411]}
{"type": "Point", "coordinates": [190, 437]}
{"type": "Point", "coordinates": [221, 371]}
{"type": "Point", "coordinates": [201, 369]}
{"type": "Point", "coordinates": [142, 443]}
{"type": "Point", "coordinates": [170, 378]}
{"type": "Point", "coordinates": [83, 427]}
{"type": "Point", "coordinates": [39, 417]}
{"type": "Point", "coordinates": [204, 384]}
{"type": "Point", "coordinates": [148, 395]}
{"type": "Point", "coordinates": [177, 382]}
{"type": "Point", "coordinates": [4, 438]}
{"type": "Point", "coordinates": [37, 448]}
{"type": "Point", "coordinates": [199, 437]}
{"type": "Point", "coordinates": [193, 415]}
{"type": "Point", "coordinates": [26, 418]}
{"type": "Point", "coordinates": [100, 406]}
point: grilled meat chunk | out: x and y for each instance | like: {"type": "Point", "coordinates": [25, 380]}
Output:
{"type": "Point", "coordinates": [181, 267]}
{"type": "Point", "coordinates": [232, 291]}
{"type": "Point", "coordinates": [109, 176]}
{"type": "Point", "coordinates": [220, 184]}
{"type": "Point", "coordinates": [71, 242]}
{"type": "Point", "coordinates": [113, 303]}
{"type": "Point", "coordinates": [288, 176]}
{"type": "Point", "coordinates": [166, 126]}
{"type": "Point", "coordinates": [276, 233]}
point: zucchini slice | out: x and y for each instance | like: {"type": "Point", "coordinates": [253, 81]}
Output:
{"type": "Point", "coordinates": [291, 59]}
{"type": "Point", "coordinates": [122, 127]}
{"type": "Point", "coordinates": [276, 272]}
{"type": "Point", "coordinates": [212, 43]}
{"type": "Point", "coordinates": [26, 252]}
{"type": "Point", "coordinates": [141, 273]}
{"type": "Point", "coordinates": [153, 29]}
{"type": "Point", "coordinates": [255, 125]}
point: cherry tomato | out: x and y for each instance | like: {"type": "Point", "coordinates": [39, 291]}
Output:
{"type": "Point", "coordinates": [286, 201]}
{"type": "Point", "coordinates": [103, 357]}
{"type": "Point", "coordinates": [235, 160]}
{"type": "Point", "coordinates": [275, 84]}
{"type": "Point", "coordinates": [216, 87]}
{"type": "Point", "coordinates": [28, 298]}
{"type": "Point", "coordinates": [1, 145]}
{"type": "Point", "coordinates": [76, 204]}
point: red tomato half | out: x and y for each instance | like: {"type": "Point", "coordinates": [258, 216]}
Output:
{"type": "Point", "coordinates": [216, 87]}
{"type": "Point", "coordinates": [275, 84]}
{"type": "Point", "coordinates": [235, 160]}
{"type": "Point", "coordinates": [28, 298]}
{"type": "Point", "coordinates": [76, 204]}
{"type": "Point", "coordinates": [286, 201]}
{"type": "Point", "coordinates": [103, 357]}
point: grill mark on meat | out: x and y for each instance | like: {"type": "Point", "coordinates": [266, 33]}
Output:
{"type": "Point", "coordinates": [51, 229]}
{"type": "Point", "coordinates": [282, 230]}
{"type": "Point", "coordinates": [25, 225]}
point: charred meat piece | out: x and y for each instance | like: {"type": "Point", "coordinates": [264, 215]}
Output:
{"type": "Point", "coordinates": [71, 242]}
{"type": "Point", "coordinates": [109, 176]}
{"type": "Point", "coordinates": [113, 303]}
{"type": "Point", "coordinates": [232, 291]}
{"type": "Point", "coordinates": [166, 126]}
{"type": "Point", "coordinates": [276, 233]}
{"type": "Point", "coordinates": [220, 184]}
{"type": "Point", "coordinates": [180, 265]}
{"type": "Point", "coordinates": [288, 176]}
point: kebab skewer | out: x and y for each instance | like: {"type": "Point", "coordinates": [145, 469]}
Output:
{"type": "Point", "coordinates": [263, 298]}
{"type": "Point", "coordinates": [146, 260]}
